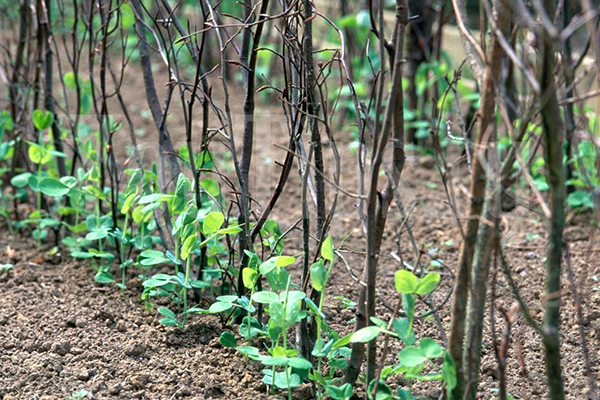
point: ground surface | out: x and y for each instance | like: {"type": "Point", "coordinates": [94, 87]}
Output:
{"type": "Point", "coordinates": [60, 332]}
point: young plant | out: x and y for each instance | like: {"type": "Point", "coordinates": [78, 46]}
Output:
{"type": "Point", "coordinates": [43, 181]}
{"type": "Point", "coordinates": [413, 358]}
{"type": "Point", "coordinates": [284, 309]}
{"type": "Point", "coordinates": [188, 225]}
{"type": "Point", "coordinates": [122, 234]}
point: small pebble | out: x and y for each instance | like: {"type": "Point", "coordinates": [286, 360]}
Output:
{"type": "Point", "coordinates": [81, 323]}
{"type": "Point", "coordinates": [121, 327]}
{"type": "Point", "coordinates": [136, 350]}
{"type": "Point", "coordinates": [427, 162]}
{"type": "Point", "coordinates": [62, 348]}
{"type": "Point", "coordinates": [83, 375]}
{"type": "Point", "coordinates": [115, 390]}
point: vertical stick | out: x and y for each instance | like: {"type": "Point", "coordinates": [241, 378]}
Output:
{"type": "Point", "coordinates": [485, 134]}
{"type": "Point", "coordinates": [553, 131]}
{"type": "Point", "coordinates": [378, 202]}
{"type": "Point", "coordinates": [49, 95]}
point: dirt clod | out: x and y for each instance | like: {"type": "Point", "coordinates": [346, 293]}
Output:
{"type": "Point", "coordinates": [62, 348]}
{"type": "Point", "coordinates": [139, 381]}
{"type": "Point", "coordinates": [115, 389]}
{"type": "Point", "coordinates": [427, 162]}
{"type": "Point", "coordinates": [214, 392]}
{"type": "Point", "coordinates": [136, 350]}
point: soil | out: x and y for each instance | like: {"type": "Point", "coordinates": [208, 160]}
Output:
{"type": "Point", "coordinates": [61, 333]}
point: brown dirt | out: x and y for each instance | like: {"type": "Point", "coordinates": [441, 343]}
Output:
{"type": "Point", "coordinates": [60, 332]}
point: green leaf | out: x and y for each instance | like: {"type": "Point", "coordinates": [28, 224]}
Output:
{"type": "Point", "coordinates": [188, 246]}
{"type": "Point", "coordinates": [152, 198]}
{"type": "Point", "coordinates": [248, 350]}
{"type": "Point", "coordinates": [284, 261]}
{"type": "Point", "coordinates": [318, 275]}
{"type": "Point", "coordinates": [210, 186]}
{"type": "Point", "coordinates": [384, 392]}
{"type": "Point", "coordinates": [34, 183]}
{"type": "Point", "coordinates": [168, 321]}
{"type": "Point", "coordinates": [42, 120]}
{"type": "Point", "coordinates": [227, 299]}
{"type": "Point", "coordinates": [428, 283]}
{"type": "Point", "coordinates": [314, 308]}
{"type": "Point", "coordinates": [181, 189]}
{"type": "Point", "coordinates": [365, 334]}
{"type": "Point", "coordinates": [404, 394]}
{"type": "Point", "coordinates": [327, 249]}
{"type": "Point", "coordinates": [97, 234]}
{"type": "Point", "coordinates": [132, 185]}
{"type": "Point", "coordinates": [580, 198]}
{"type": "Point", "coordinates": [71, 80]}
{"type": "Point", "coordinates": [166, 312]}
{"type": "Point", "coordinates": [94, 191]}
{"type": "Point", "coordinates": [188, 230]}
{"type": "Point", "coordinates": [230, 230]}
{"type": "Point", "coordinates": [274, 361]}
{"type": "Point", "coordinates": [6, 122]}
{"type": "Point", "coordinates": [139, 217]}
{"type": "Point", "coordinates": [268, 266]}
{"type": "Point", "coordinates": [93, 174]}
{"type": "Point", "coordinates": [21, 180]}
{"type": "Point", "coordinates": [249, 276]}
{"type": "Point", "coordinates": [82, 254]}
{"type": "Point", "coordinates": [227, 339]}
{"type": "Point", "coordinates": [147, 262]}
{"type": "Point", "coordinates": [265, 297]}
{"type": "Point", "coordinates": [200, 284]}
{"type": "Point", "coordinates": [69, 181]}
{"type": "Point", "coordinates": [405, 281]}
{"type": "Point", "coordinates": [449, 371]}
{"type": "Point", "coordinates": [103, 277]}
{"type": "Point", "coordinates": [430, 348]}
{"type": "Point", "coordinates": [102, 254]}
{"type": "Point", "coordinates": [158, 280]}
{"type": "Point", "coordinates": [79, 228]}
{"type": "Point", "coordinates": [128, 203]}
{"type": "Point", "coordinates": [402, 328]}
{"type": "Point", "coordinates": [150, 207]}
{"type": "Point", "coordinates": [343, 392]}
{"type": "Point", "coordinates": [292, 296]}
{"type": "Point", "coordinates": [282, 381]}
{"type": "Point", "coordinates": [275, 262]}
{"type": "Point", "coordinates": [299, 362]}
{"type": "Point", "coordinates": [212, 222]}
{"type": "Point", "coordinates": [343, 341]}
{"type": "Point", "coordinates": [412, 356]}
{"type": "Point", "coordinates": [219, 307]}
{"type": "Point", "coordinates": [379, 322]}
{"type": "Point", "coordinates": [53, 187]}
{"type": "Point", "coordinates": [38, 154]}
{"type": "Point", "coordinates": [408, 304]}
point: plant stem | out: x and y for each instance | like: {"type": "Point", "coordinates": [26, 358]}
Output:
{"type": "Point", "coordinates": [122, 249]}
{"type": "Point", "coordinates": [553, 138]}
{"type": "Point", "coordinates": [176, 249]}
{"type": "Point", "coordinates": [187, 279]}
{"type": "Point", "coordinates": [250, 314]}
{"type": "Point", "coordinates": [39, 205]}
{"type": "Point", "coordinates": [319, 322]}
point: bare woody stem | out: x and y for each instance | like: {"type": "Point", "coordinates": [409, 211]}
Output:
{"type": "Point", "coordinates": [249, 76]}
{"type": "Point", "coordinates": [553, 135]}
{"type": "Point", "coordinates": [378, 202]}
{"type": "Point", "coordinates": [164, 139]}
{"type": "Point", "coordinates": [477, 194]}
